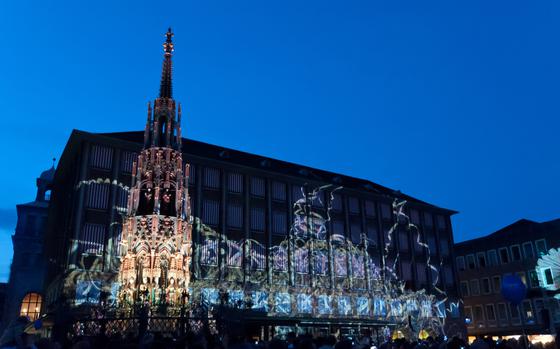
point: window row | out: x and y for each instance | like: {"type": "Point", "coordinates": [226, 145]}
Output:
{"type": "Point", "coordinates": [530, 311]}
{"type": "Point", "coordinates": [502, 255]}
{"type": "Point", "coordinates": [489, 285]}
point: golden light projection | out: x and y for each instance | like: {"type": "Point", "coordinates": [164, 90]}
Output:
{"type": "Point", "coordinates": [156, 238]}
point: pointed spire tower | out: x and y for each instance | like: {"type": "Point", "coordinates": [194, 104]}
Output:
{"type": "Point", "coordinates": [156, 240]}
{"type": "Point", "coordinates": [164, 129]}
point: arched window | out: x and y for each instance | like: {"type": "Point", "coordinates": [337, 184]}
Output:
{"type": "Point", "coordinates": [48, 195]}
{"type": "Point", "coordinates": [31, 306]}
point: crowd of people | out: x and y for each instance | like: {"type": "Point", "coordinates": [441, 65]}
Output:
{"type": "Point", "coordinates": [17, 337]}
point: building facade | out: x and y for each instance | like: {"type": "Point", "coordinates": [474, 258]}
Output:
{"type": "Point", "coordinates": [278, 237]}
{"type": "Point", "coordinates": [482, 263]}
{"type": "Point", "coordinates": [24, 291]}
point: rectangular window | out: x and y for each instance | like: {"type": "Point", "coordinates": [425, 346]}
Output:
{"type": "Point", "coordinates": [235, 215]}
{"type": "Point", "coordinates": [92, 239]}
{"type": "Point", "coordinates": [302, 260]}
{"type": "Point", "coordinates": [320, 262]}
{"type": "Point", "coordinates": [448, 273]}
{"type": "Point", "coordinates": [209, 252]}
{"type": "Point", "coordinates": [540, 245]}
{"type": "Point", "coordinates": [486, 289]}
{"type": "Point", "coordinates": [502, 312]}
{"type": "Point", "coordinates": [465, 289]}
{"type": "Point", "coordinates": [278, 191]}
{"type": "Point", "coordinates": [444, 246]}
{"type": "Point", "coordinates": [370, 208]}
{"type": "Point", "coordinates": [356, 233]}
{"type": "Point", "coordinates": [358, 266]}
{"type": "Point", "coordinates": [528, 313]}
{"type": "Point", "coordinates": [257, 219]}
{"type": "Point", "coordinates": [127, 161]}
{"type": "Point", "coordinates": [385, 211]}
{"type": "Point", "coordinates": [441, 222]}
{"type": "Point", "coordinates": [471, 264]}
{"type": "Point", "coordinates": [460, 263]}
{"type": "Point", "coordinates": [258, 256]}
{"type": "Point", "coordinates": [533, 279]}
{"type": "Point", "coordinates": [528, 252]}
{"type": "Point", "coordinates": [97, 196]}
{"type": "Point", "coordinates": [504, 256]}
{"type": "Point", "coordinates": [298, 192]}
{"type": "Point", "coordinates": [406, 271]}
{"type": "Point", "coordinates": [428, 219]}
{"type": "Point", "coordinates": [432, 245]}
{"type": "Point", "coordinates": [279, 225]}
{"type": "Point", "coordinates": [353, 205]}
{"type": "Point", "coordinates": [515, 253]}
{"type": "Point", "coordinates": [336, 203]}
{"type": "Point", "coordinates": [490, 312]}
{"type": "Point", "coordinates": [257, 187]}
{"type": "Point", "coordinates": [403, 241]}
{"type": "Point", "coordinates": [101, 157]}
{"type": "Point", "coordinates": [192, 174]}
{"type": "Point", "coordinates": [372, 233]}
{"type": "Point", "coordinates": [421, 273]}
{"type": "Point", "coordinates": [475, 287]}
{"type": "Point", "coordinates": [234, 254]}
{"type": "Point", "coordinates": [481, 257]}
{"type": "Point", "coordinates": [122, 200]}
{"type": "Point", "coordinates": [338, 227]}
{"type": "Point", "coordinates": [235, 182]}
{"type": "Point", "coordinates": [478, 313]}
{"type": "Point", "coordinates": [539, 306]}
{"type": "Point", "coordinates": [117, 236]}
{"type": "Point", "coordinates": [211, 178]}
{"type": "Point", "coordinates": [468, 315]}
{"type": "Point", "coordinates": [514, 311]}
{"type": "Point", "coordinates": [210, 212]}
{"type": "Point", "coordinates": [415, 217]}
{"type": "Point", "coordinates": [492, 258]}
{"type": "Point", "coordinates": [548, 277]}
{"type": "Point", "coordinates": [497, 283]}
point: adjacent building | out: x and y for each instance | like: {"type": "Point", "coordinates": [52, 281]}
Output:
{"type": "Point", "coordinates": [482, 263]}
{"type": "Point", "coordinates": [24, 291]}
{"type": "Point", "coordinates": [285, 239]}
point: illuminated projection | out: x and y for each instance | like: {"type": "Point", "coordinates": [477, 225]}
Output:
{"type": "Point", "coordinates": [318, 267]}
{"type": "Point", "coordinates": [156, 233]}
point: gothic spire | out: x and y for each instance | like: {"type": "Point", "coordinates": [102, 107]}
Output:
{"type": "Point", "coordinates": [165, 90]}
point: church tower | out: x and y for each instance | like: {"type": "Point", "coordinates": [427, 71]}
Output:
{"type": "Point", "coordinates": [156, 240]}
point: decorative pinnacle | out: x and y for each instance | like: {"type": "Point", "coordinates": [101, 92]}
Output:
{"type": "Point", "coordinates": [165, 89]}
{"type": "Point", "coordinates": [168, 45]}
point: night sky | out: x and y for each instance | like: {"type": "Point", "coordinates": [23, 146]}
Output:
{"type": "Point", "coordinates": [456, 104]}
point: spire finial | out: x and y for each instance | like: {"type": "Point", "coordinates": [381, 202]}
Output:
{"type": "Point", "coordinates": [53, 162]}
{"type": "Point", "coordinates": [165, 86]}
{"type": "Point", "coordinates": [168, 45]}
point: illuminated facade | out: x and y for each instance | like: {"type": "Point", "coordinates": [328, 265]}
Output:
{"type": "Point", "coordinates": [151, 217]}
{"type": "Point", "coordinates": [156, 234]}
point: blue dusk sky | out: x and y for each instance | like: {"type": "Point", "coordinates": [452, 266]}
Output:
{"type": "Point", "coordinates": [455, 103]}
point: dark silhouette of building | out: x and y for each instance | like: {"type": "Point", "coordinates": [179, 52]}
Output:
{"type": "Point", "coordinates": [24, 291]}
{"type": "Point", "coordinates": [482, 263]}
{"type": "Point", "coordinates": [253, 220]}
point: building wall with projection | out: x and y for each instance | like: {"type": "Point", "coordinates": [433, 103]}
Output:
{"type": "Point", "coordinates": [294, 239]}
